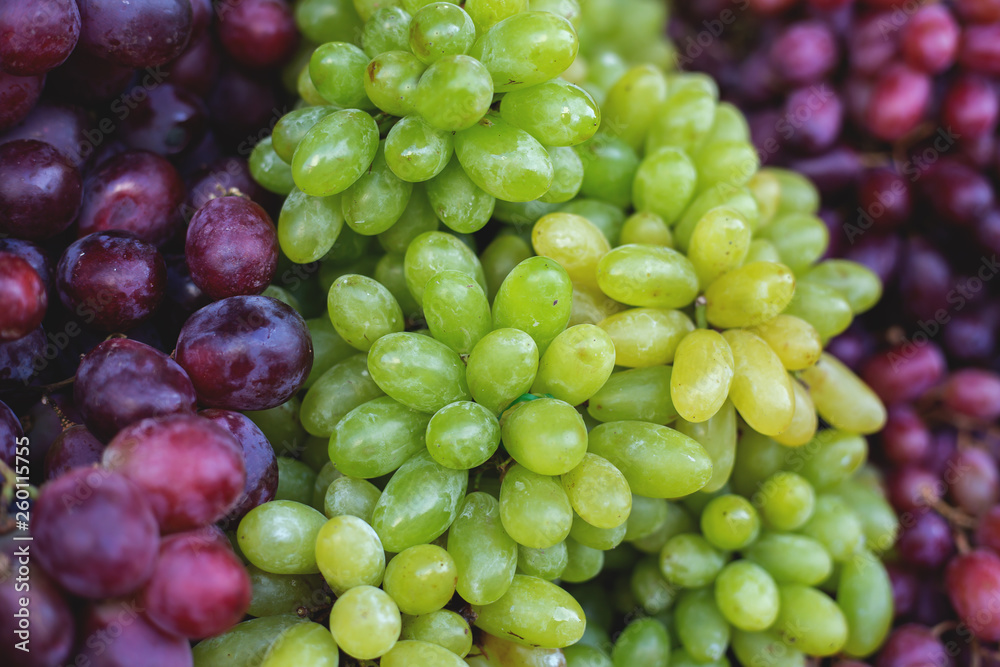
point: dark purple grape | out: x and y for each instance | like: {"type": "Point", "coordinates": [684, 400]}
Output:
{"type": "Point", "coordinates": [973, 392]}
{"type": "Point", "coordinates": [258, 33]}
{"type": "Point", "coordinates": [974, 480]}
{"type": "Point", "coordinates": [979, 11]}
{"type": "Point", "coordinates": [32, 254]}
{"type": "Point", "coordinates": [123, 381]}
{"type": "Point", "coordinates": [971, 336]}
{"type": "Point", "coordinates": [95, 533]}
{"type": "Point", "coordinates": [906, 438]}
{"type": "Point", "coordinates": [111, 280]}
{"type": "Point", "coordinates": [170, 120]}
{"type": "Point", "coordinates": [988, 530]}
{"type": "Point", "coordinates": [188, 468]}
{"type": "Point", "coordinates": [10, 432]}
{"type": "Point", "coordinates": [813, 118]}
{"type": "Point", "coordinates": [243, 109]}
{"type": "Point", "coordinates": [23, 297]}
{"type": "Point", "coordinates": [181, 289]}
{"type": "Point", "coordinates": [926, 284]}
{"type": "Point", "coordinates": [769, 7]}
{"type": "Point", "coordinates": [201, 16]}
{"type": "Point", "coordinates": [904, 589]}
{"type": "Point", "coordinates": [756, 81]}
{"type": "Point", "coordinates": [115, 633]}
{"type": "Point", "coordinates": [198, 67]}
{"type": "Point", "coordinates": [37, 36]}
{"type": "Point", "coordinates": [870, 48]}
{"type": "Point", "coordinates": [980, 48]}
{"type": "Point", "coordinates": [245, 353]}
{"type": "Point", "coordinates": [138, 192]}
{"type": "Point", "coordinates": [878, 252]}
{"type": "Point", "coordinates": [958, 194]}
{"type": "Point", "coordinates": [831, 171]}
{"type": "Point", "coordinates": [18, 95]}
{"type": "Point", "coordinates": [40, 190]}
{"type": "Point", "coordinates": [62, 126]}
{"type": "Point", "coordinates": [970, 108]}
{"type": "Point", "coordinates": [87, 79]}
{"type": "Point", "coordinates": [913, 489]}
{"type": "Point", "coordinates": [804, 53]}
{"type": "Point", "coordinates": [973, 583]}
{"type": "Point", "coordinates": [22, 359]}
{"type": "Point", "coordinates": [898, 102]}
{"type": "Point", "coordinates": [884, 196]}
{"type": "Point", "coordinates": [228, 175]}
{"type": "Point", "coordinates": [135, 34]}
{"type": "Point", "coordinates": [852, 347]}
{"type": "Point", "coordinates": [913, 646]}
{"type": "Point", "coordinates": [231, 248]}
{"type": "Point", "coordinates": [925, 541]}
{"type": "Point", "coordinates": [904, 372]}
{"type": "Point", "coordinates": [857, 93]}
{"type": "Point", "coordinates": [929, 40]}
{"type": "Point", "coordinates": [76, 447]}
{"type": "Point", "coordinates": [258, 459]}
{"type": "Point", "coordinates": [198, 589]}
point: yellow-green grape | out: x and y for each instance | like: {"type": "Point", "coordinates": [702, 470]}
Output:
{"type": "Point", "coordinates": [648, 276]}
{"type": "Point", "coordinates": [268, 169]}
{"type": "Point", "coordinates": [702, 375]}
{"type": "Point", "coordinates": [419, 503]}
{"type": "Point", "coordinates": [878, 519]}
{"type": "Point", "coordinates": [456, 310]}
{"type": "Point", "coordinates": [858, 284]}
{"type": "Point", "coordinates": [591, 307]}
{"type": "Point", "coordinates": [687, 116]}
{"type": "Point", "coordinates": [791, 558]}
{"type": "Point", "coordinates": [730, 125]}
{"type": "Point", "coordinates": [454, 93]}
{"type": "Point", "coordinates": [306, 643]}
{"type": "Point", "coordinates": [396, 429]}
{"type": "Point", "coordinates": [597, 538]}
{"type": "Point", "coordinates": [766, 191]}
{"type": "Point", "coordinates": [441, 29]}
{"type": "Point", "coordinates": [306, 89]}
{"type": "Point", "coordinates": [546, 436]}
{"type": "Point", "coordinates": [496, 651]}
{"type": "Point", "coordinates": [648, 515]}
{"type": "Point", "coordinates": [335, 152]}
{"type": "Point", "coordinates": [681, 658]}
{"type": "Point", "coordinates": [576, 365]}
{"type": "Point", "coordinates": [730, 163]}
{"type": "Point", "coordinates": [443, 627]}
{"type": "Point", "coordinates": [377, 200]}
{"type": "Point", "coordinates": [653, 593]}
{"type": "Point", "coordinates": [703, 630]}
{"type": "Point", "coordinates": [245, 643]}
{"type": "Point", "coordinates": [835, 525]}
{"type": "Point", "coordinates": [804, 421]}
{"type": "Point", "coordinates": [765, 649]}
{"type": "Point", "coordinates": [598, 492]}
{"type": "Point", "coordinates": [280, 425]}
{"type": "Point", "coordinates": [278, 537]}
{"type": "Point", "coordinates": [349, 554]}
{"type": "Point", "coordinates": [757, 458]}
{"type": "Point", "coordinates": [418, 371]}
{"type": "Point", "coordinates": [842, 398]}
{"type": "Point", "coordinates": [570, 9]}
{"type": "Point", "coordinates": [463, 435]}
{"type": "Point", "coordinates": [412, 653]}
{"type": "Point", "coordinates": [786, 500]}
{"type": "Point", "coordinates": [501, 367]}
{"type": "Point", "coordinates": [810, 621]}
{"type": "Point", "coordinates": [534, 509]}
{"type": "Point", "coordinates": [500, 257]}
{"type": "Point", "coordinates": [546, 564]}
{"type": "Point", "coordinates": [337, 70]}
{"type": "Point", "coordinates": [730, 522]}
{"type": "Point", "coordinates": [795, 341]}
{"type": "Point", "coordinates": [391, 272]}
{"type": "Point", "coordinates": [329, 348]}
{"type": "Point", "coordinates": [738, 199]}
{"type": "Point", "coordinates": [643, 642]}
{"type": "Point", "coordinates": [533, 612]}
{"type": "Point", "coordinates": [641, 394]}
{"type": "Point", "coordinates": [583, 562]}
{"type": "Point", "coordinates": [275, 594]}
{"type": "Point", "coordinates": [762, 250]}
{"type": "Point", "coordinates": [388, 29]}
{"type": "Point", "coordinates": [295, 481]}
{"type": "Point", "coordinates": [458, 202]}
{"type": "Point", "coordinates": [362, 310]}
{"type": "Point", "coordinates": [717, 435]}
{"type": "Point", "coordinates": [485, 556]}
{"type": "Point", "coordinates": [633, 103]}
{"type": "Point", "coordinates": [413, 6]}
{"type": "Point", "coordinates": [657, 461]}
{"type": "Point", "coordinates": [526, 49]}
{"type": "Point", "coordinates": [504, 160]}
{"type": "Point", "coordinates": [567, 175]}
{"type": "Point", "coordinates": [290, 129]}
{"type": "Point", "coordinates": [421, 579]}
{"type": "Point", "coordinates": [415, 151]}
{"type": "Point", "coordinates": [800, 239]}
{"type": "Point", "coordinates": [719, 243]}
{"type": "Point", "coordinates": [821, 306]}
{"type": "Point", "coordinates": [864, 595]}
{"type": "Point", "coordinates": [392, 82]}
{"type": "Point", "coordinates": [365, 622]}
{"type": "Point", "coordinates": [646, 228]}
{"type": "Point", "coordinates": [761, 390]}
{"type": "Point", "coordinates": [572, 241]}
{"type": "Point", "coordinates": [798, 194]}
{"type": "Point", "coordinates": [350, 495]}
{"type": "Point", "coordinates": [308, 226]}
{"type": "Point", "coordinates": [555, 113]}
{"type": "Point", "coordinates": [584, 655]}
{"type": "Point", "coordinates": [537, 298]}
{"type": "Point", "coordinates": [747, 596]}
{"type": "Point", "coordinates": [606, 217]}
{"type": "Point", "coordinates": [832, 457]}
{"type": "Point", "coordinates": [367, 8]}
{"type": "Point", "coordinates": [325, 21]}
{"type": "Point", "coordinates": [666, 165]}
{"type": "Point", "coordinates": [609, 166]}
{"type": "Point", "coordinates": [326, 476]}
{"type": "Point", "coordinates": [487, 13]}
{"type": "Point", "coordinates": [646, 336]}
{"type": "Point", "coordinates": [750, 295]}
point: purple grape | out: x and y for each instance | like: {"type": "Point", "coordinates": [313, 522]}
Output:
{"type": "Point", "coordinates": [988, 530]}
{"type": "Point", "coordinates": [898, 102]}
{"type": "Point", "coordinates": [929, 40]}
{"type": "Point", "coordinates": [870, 48]}
{"type": "Point", "coordinates": [979, 11]}
{"type": "Point", "coordinates": [198, 67]}
{"type": "Point", "coordinates": [884, 196]}
{"type": "Point", "coordinates": [23, 297]}
{"type": "Point", "coordinates": [906, 438]}
{"type": "Point", "coordinates": [970, 108]}
{"type": "Point", "coordinates": [115, 633]}
{"type": "Point", "coordinates": [243, 108]}
{"type": "Point", "coordinates": [832, 171]}
{"type": "Point", "coordinates": [201, 16]}
{"type": "Point", "coordinates": [111, 280]}
{"type": "Point", "coordinates": [878, 252]}
{"type": "Point", "coordinates": [228, 175]}
{"type": "Point", "coordinates": [258, 33]}
{"type": "Point", "coordinates": [904, 589]}
{"type": "Point", "coordinates": [10, 432]}
{"type": "Point", "coordinates": [135, 34]}
{"type": "Point", "coordinates": [974, 480]}
{"type": "Point", "coordinates": [87, 79]}
{"type": "Point", "coordinates": [852, 347]}
{"type": "Point", "coordinates": [980, 48]}
{"type": "Point", "coordinates": [973, 583]}
{"type": "Point", "coordinates": [76, 447]}
{"type": "Point", "coordinates": [813, 116]}
{"type": "Point", "coordinates": [973, 392]}
{"type": "Point", "coordinates": [258, 459]}
{"type": "Point", "coordinates": [40, 190]}
{"type": "Point", "coordinates": [22, 359]}
{"type": "Point", "coordinates": [62, 126]}
{"type": "Point", "coordinates": [913, 646]}
{"type": "Point", "coordinates": [957, 193]}
{"type": "Point", "coordinates": [37, 36]}
{"type": "Point", "coordinates": [904, 372]}
{"type": "Point", "coordinates": [122, 381]}
{"type": "Point", "coordinates": [32, 254]}
{"type": "Point", "coordinates": [95, 533]}
{"type": "Point", "coordinates": [18, 95]}
{"type": "Point", "coordinates": [971, 336]}
{"type": "Point", "coordinates": [181, 289]}
{"type": "Point", "coordinates": [245, 353]}
{"type": "Point", "coordinates": [170, 120]}
{"type": "Point", "coordinates": [804, 53]}
{"type": "Point", "coordinates": [926, 541]}
{"type": "Point", "coordinates": [925, 282]}
{"type": "Point", "coordinates": [913, 489]}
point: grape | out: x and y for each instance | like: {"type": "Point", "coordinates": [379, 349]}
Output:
{"type": "Point", "coordinates": [421, 579]}
{"type": "Point", "coordinates": [396, 427]}
{"type": "Point", "coordinates": [646, 337]}
{"type": "Point", "coordinates": [365, 622]}
{"type": "Point", "coordinates": [295, 480]}
{"type": "Point", "coordinates": [279, 537]}
{"type": "Point", "coordinates": [415, 151]}
{"type": "Point", "coordinates": [765, 647]}
{"type": "Point", "coordinates": [703, 630]}
{"type": "Point", "coordinates": [747, 596]}
{"type": "Point", "coordinates": [257, 33]}
{"type": "Point", "coordinates": [835, 525]}
{"type": "Point", "coordinates": [349, 554]}
{"type": "Point", "coordinates": [640, 394]}
{"type": "Point", "coordinates": [810, 620]}
{"type": "Point", "coordinates": [804, 52]}
{"type": "Point", "coordinates": [24, 299]}
{"type": "Point", "coordinates": [113, 632]}
{"type": "Point", "coordinates": [688, 560]}
{"type": "Point", "coordinates": [75, 447]}
{"type": "Point", "coordinates": [440, 29]}
{"type": "Point", "coordinates": [631, 108]}
{"type": "Point", "coordinates": [756, 370]}
{"type": "Point", "coordinates": [702, 375]}
{"type": "Point", "coordinates": [546, 436]}
{"type": "Point", "coordinates": [598, 492]}
{"type": "Point", "coordinates": [791, 559]}
{"type": "Point", "coordinates": [864, 594]}
{"type": "Point", "coordinates": [462, 435]}
{"type": "Point", "coordinates": [444, 628]}
{"type": "Point", "coordinates": [913, 644]}
{"type": "Point", "coordinates": [526, 49]}
{"type": "Point", "coordinates": [18, 95]}
{"type": "Point", "coordinates": [643, 642]}
{"type": "Point", "coordinates": [609, 167]}
{"type": "Point", "coordinates": [842, 399]}
{"type": "Point", "coordinates": [417, 371]}
{"type": "Point", "coordinates": [718, 436]}
{"type": "Point", "coordinates": [536, 110]}
{"type": "Point", "coordinates": [113, 33]}
{"type": "Point", "coordinates": [410, 653]}
{"type": "Point", "coordinates": [39, 40]}
{"type": "Point", "coordinates": [503, 160]}
{"type": "Point", "coordinates": [245, 643]}
{"type": "Point", "coordinates": [341, 388]}
{"type": "Point", "coordinates": [730, 522]}
{"type": "Point", "coordinates": [533, 612]}
{"type": "Point", "coordinates": [41, 188]}
{"type": "Point", "coordinates": [456, 310]}
{"type": "Point", "coordinates": [897, 102]}
{"type": "Point", "coordinates": [304, 643]}
{"type": "Point", "coordinates": [926, 542]}
{"type": "Point", "coordinates": [334, 153]}
{"type": "Point", "coordinates": [485, 556]}
{"type": "Point", "coordinates": [534, 509]}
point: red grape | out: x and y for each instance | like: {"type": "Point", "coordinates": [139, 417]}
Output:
{"type": "Point", "coordinates": [37, 36]}
{"type": "Point", "coordinates": [913, 646]}
{"type": "Point", "coordinates": [980, 50]}
{"type": "Point", "coordinates": [258, 33]}
{"type": "Point", "coordinates": [76, 447]}
{"type": "Point", "coordinates": [40, 190]}
{"type": "Point", "coordinates": [906, 438]}
{"type": "Point", "coordinates": [970, 108]}
{"type": "Point", "coordinates": [258, 458]}
{"type": "Point", "coordinates": [973, 392]}
{"type": "Point", "coordinates": [905, 371]}
{"type": "Point", "coordinates": [973, 583]}
{"type": "Point", "coordinates": [929, 40]}
{"type": "Point", "coordinates": [988, 530]}
{"type": "Point", "coordinates": [18, 95]}
{"type": "Point", "coordinates": [898, 102]}
{"type": "Point", "coordinates": [804, 53]}
{"type": "Point", "coordinates": [925, 541]}
{"type": "Point", "coordinates": [170, 120]}
{"type": "Point", "coordinates": [23, 297]}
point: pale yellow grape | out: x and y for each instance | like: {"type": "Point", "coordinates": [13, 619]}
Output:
{"type": "Point", "coordinates": [349, 553]}
{"type": "Point", "coordinates": [749, 295]}
{"type": "Point", "coordinates": [702, 375]}
{"type": "Point", "coordinates": [599, 492]}
{"type": "Point", "coordinates": [762, 250]}
{"type": "Point", "coordinates": [533, 612]}
{"type": "Point", "coordinates": [591, 307]}
{"type": "Point", "coordinates": [761, 391]}
{"type": "Point", "coordinates": [412, 653]}
{"type": "Point", "coordinates": [365, 622]}
{"type": "Point", "coordinates": [842, 398]}
{"type": "Point", "coordinates": [487, 13]}
{"type": "Point", "coordinates": [646, 336]}
{"type": "Point", "coordinates": [795, 341]}
{"type": "Point", "coordinates": [766, 191]}
{"type": "Point", "coordinates": [717, 435]}
{"type": "Point", "coordinates": [577, 364]}
{"type": "Point", "coordinates": [501, 652]}
{"type": "Point", "coordinates": [303, 644]}
{"type": "Point", "coordinates": [648, 228]}
{"type": "Point", "coordinates": [546, 436]}
{"type": "Point", "coordinates": [719, 243]}
{"type": "Point", "coordinates": [501, 367]}
{"type": "Point", "coordinates": [572, 241]}
{"type": "Point", "coordinates": [804, 421]}
{"type": "Point", "coordinates": [648, 276]}
{"type": "Point", "coordinates": [800, 239]}
{"type": "Point", "coordinates": [633, 104]}
{"type": "Point", "coordinates": [421, 579]}
{"type": "Point", "coordinates": [722, 194]}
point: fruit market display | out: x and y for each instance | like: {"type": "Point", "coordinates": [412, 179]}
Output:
{"type": "Point", "coordinates": [508, 354]}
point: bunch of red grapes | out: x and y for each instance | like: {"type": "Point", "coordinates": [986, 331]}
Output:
{"type": "Point", "coordinates": [134, 245]}
{"type": "Point", "coordinates": [892, 108]}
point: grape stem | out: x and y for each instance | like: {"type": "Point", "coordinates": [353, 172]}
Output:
{"type": "Point", "coordinates": [700, 319]}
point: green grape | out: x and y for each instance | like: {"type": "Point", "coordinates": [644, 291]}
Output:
{"type": "Point", "coordinates": [392, 274]}
{"type": "Point", "coordinates": [487, 13]}
{"type": "Point", "coordinates": [419, 503]}
{"type": "Point", "coordinates": [485, 556]}
{"type": "Point", "coordinates": [454, 93]}
{"type": "Point", "coordinates": [329, 348]}
{"type": "Point", "coordinates": [350, 248]}
{"type": "Point", "coordinates": [351, 496]}
{"type": "Point", "coordinates": [666, 165]}
{"type": "Point", "coordinates": [747, 596]}
{"type": "Point", "coordinates": [327, 20]}
{"type": "Point", "coordinates": [567, 175]}
{"type": "Point", "coordinates": [576, 365]}
{"type": "Point", "coordinates": [536, 297]}
{"type": "Point", "coordinates": [533, 612]}
{"type": "Point", "coordinates": [676, 521]}
{"type": "Point", "coordinates": [598, 492]}
{"type": "Point", "coordinates": [278, 537]}
{"type": "Point", "coordinates": [737, 199]}
{"type": "Point", "coordinates": [244, 644]}
{"type": "Point", "coordinates": [418, 218]}
{"type": "Point", "coordinates": [757, 458]}
{"type": "Point", "coordinates": [345, 386]}
{"type": "Point", "coordinates": [308, 226]}
{"type": "Point", "coordinates": [443, 627]}
{"type": "Point", "coordinates": [821, 306]}
{"type": "Point", "coordinates": [583, 562]}
{"type": "Point", "coordinates": [572, 241]}
{"type": "Point", "coordinates": [643, 642]}
{"type": "Point", "coordinates": [685, 119]}
{"type": "Point", "coordinates": [730, 522]}
{"type": "Point", "coordinates": [462, 435]}
{"type": "Point", "coordinates": [275, 594]}
{"type": "Point", "coordinates": [534, 509]}
{"type": "Point", "coordinates": [719, 243]}
{"type": "Point", "coordinates": [641, 394]}
{"type": "Point", "coordinates": [433, 252]}
{"type": "Point", "coordinates": [362, 311]}
{"type": "Point", "coordinates": [702, 375]}
{"type": "Point", "coordinates": [835, 525]}
{"type": "Point", "coordinates": [786, 500]}
{"type": "Point", "coordinates": [496, 651]}
{"type": "Point", "coordinates": [303, 644]}
{"type": "Point", "coordinates": [547, 563]}
{"type": "Point", "coordinates": [388, 29]}
{"type": "Point", "coordinates": [597, 538]}
{"type": "Point", "coordinates": [415, 151]}
{"type": "Point", "coordinates": [717, 435]}
{"type": "Point", "coordinates": [413, 653]}
{"type": "Point", "coordinates": [810, 621]}
{"type": "Point", "coordinates": [295, 481]}
{"type": "Point", "coordinates": [376, 437]}
{"type": "Point", "coordinates": [367, 8]}
{"type": "Point", "coordinates": [441, 29]}
{"type": "Point", "coordinates": [569, 9]}
{"type": "Point", "coordinates": [606, 217]}
{"type": "Point", "coordinates": [456, 310]}
{"type": "Point", "coordinates": [800, 239]}
{"type": "Point", "coordinates": [730, 125]}
{"type": "Point", "coordinates": [646, 336]}
{"type": "Point", "coordinates": [648, 276]}
{"type": "Point", "coordinates": [731, 163]}
{"type": "Point", "coordinates": [681, 658]}
{"type": "Point", "coordinates": [365, 622]}
{"type": "Point", "coordinates": [761, 389]}
{"type": "Point", "coordinates": [765, 649]}
{"type": "Point", "coordinates": [306, 90]}
{"type": "Point", "coordinates": [703, 630]}
{"type": "Point", "coordinates": [349, 554]}
{"type": "Point", "coordinates": [581, 655]}
{"type": "Point", "coordinates": [546, 436]}
{"type": "Point", "coordinates": [501, 367]}
{"type": "Point", "coordinates": [795, 341]}
{"type": "Point", "coordinates": [766, 191]}
{"type": "Point", "coordinates": [859, 285]}
{"type": "Point", "coordinates": [804, 420]}
{"type": "Point", "coordinates": [750, 295]}
{"type": "Point", "coordinates": [500, 257]}
{"type": "Point", "coordinates": [653, 593]}
{"type": "Point", "coordinates": [878, 519]}
{"type": "Point", "coordinates": [555, 113]}
{"type": "Point", "coordinates": [864, 595]}
{"type": "Point", "coordinates": [591, 307]}
{"type": "Point", "coordinates": [526, 49]}
{"type": "Point", "coordinates": [337, 69]}
{"type": "Point", "coordinates": [688, 560]}
{"type": "Point", "coordinates": [791, 559]}
{"type": "Point", "coordinates": [421, 579]}
{"type": "Point", "coordinates": [392, 82]}
{"type": "Point", "coordinates": [418, 371]}
{"type": "Point", "coordinates": [268, 169]}
{"type": "Point", "coordinates": [458, 202]}
{"type": "Point", "coordinates": [413, 6]}
{"type": "Point", "coordinates": [326, 476]}
{"type": "Point", "coordinates": [798, 194]}
{"type": "Point", "coordinates": [335, 153]}
{"type": "Point", "coordinates": [842, 398]}
{"type": "Point", "coordinates": [294, 125]}
{"type": "Point", "coordinates": [377, 200]}
{"type": "Point", "coordinates": [831, 457]}
{"type": "Point", "coordinates": [609, 167]}
{"type": "Point", "coordinates": [646, 228]}
{"type": "Point", "coordinates": [281, 425]}
{"type": "Point", "coordinates": [506, 162]}
{"type": "Point", "coordinates": [633, 104]}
